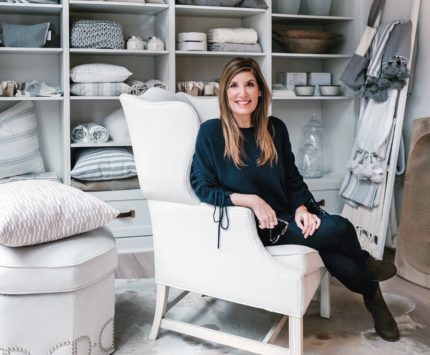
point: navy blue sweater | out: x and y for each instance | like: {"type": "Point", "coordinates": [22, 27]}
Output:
{"type": "Point", "coordinates": [214, 177]}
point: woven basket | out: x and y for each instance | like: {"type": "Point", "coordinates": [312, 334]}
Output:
{"type": "Point", "coordinates": [298, 41]}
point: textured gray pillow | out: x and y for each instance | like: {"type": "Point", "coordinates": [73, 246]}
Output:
{"type": "Point", "coordinates": [25, 35]}
{"type": "Point", "coordinates": [40, 211]}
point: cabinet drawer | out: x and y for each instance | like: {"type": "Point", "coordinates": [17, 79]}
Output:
{"type": "Point", "coordinates": [137, 223]}
{"type": "Point", "coordinates": [333, 203]}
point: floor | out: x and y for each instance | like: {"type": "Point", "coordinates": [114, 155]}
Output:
{"type": "Point", "coordinates": [137, 266]}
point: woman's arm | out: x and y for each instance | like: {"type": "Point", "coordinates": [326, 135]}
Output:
{"type": "Point", "coordinates": [265, 214]}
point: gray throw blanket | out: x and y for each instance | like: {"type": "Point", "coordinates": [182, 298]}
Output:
{"type": "Point", "coordinates": [38, 88]}
{"type": "Point", "coordinates": [389, 57]}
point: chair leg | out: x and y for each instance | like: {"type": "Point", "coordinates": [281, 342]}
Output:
{"type": "Point", "coordinates": [160, 310]}
{"type": "Point", "coordinates": [295, 334]}
{"type": "Point", "coordinates": [325, 303]}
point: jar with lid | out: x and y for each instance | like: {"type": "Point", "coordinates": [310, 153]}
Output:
{"type": "Point", "coordinates": [135, 43]}
{"type": "Point", "coordinates": [311, 151]}
{"type": "Point", "coordinates": [155, 44]}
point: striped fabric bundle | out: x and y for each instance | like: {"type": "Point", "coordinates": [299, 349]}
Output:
{"type": "Point", "coordinates": [19, 141]}
{"type": "Point", "coordinates": [104, 164]}
{"type": "Point", "coordinates": [99, 89]}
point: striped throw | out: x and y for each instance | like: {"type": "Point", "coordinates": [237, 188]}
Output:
{"type": "Point", "coordinates": [40, 211]}
{"type": "Point", "coordinates": [104, 164]}
{"type": "Point", "coordinates": [19, 141]}
{"type": "Point", "coordinates": [99, 89]}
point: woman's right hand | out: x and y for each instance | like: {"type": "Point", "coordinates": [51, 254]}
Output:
{"type": "Point", "coordinates": [265, 214]}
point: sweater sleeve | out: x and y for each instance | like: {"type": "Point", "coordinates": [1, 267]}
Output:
{"type": "Point", "coordinates": [297, 191]}
{"type": "Point", "coordinates": [204, 178]}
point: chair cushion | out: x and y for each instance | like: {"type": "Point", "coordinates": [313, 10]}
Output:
{"type": "Point", "coordinates": [299, 257]}
{"type": "Point", "coordinates": [60, 266]}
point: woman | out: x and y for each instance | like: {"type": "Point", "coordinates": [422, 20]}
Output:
{"type": "Point", "coordinates": [245, 159]}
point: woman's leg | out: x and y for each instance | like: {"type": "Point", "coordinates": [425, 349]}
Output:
{"type": "Point", "coordinates": [334, 232]}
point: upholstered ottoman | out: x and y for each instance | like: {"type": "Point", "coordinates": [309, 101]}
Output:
{"type": "Point", "coordinates": [58, 298]}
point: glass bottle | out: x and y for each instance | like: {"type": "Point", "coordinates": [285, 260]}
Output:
{"type": "Point", "coordinates": [311, 151]}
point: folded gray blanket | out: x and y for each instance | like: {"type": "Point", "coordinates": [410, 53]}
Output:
{"type": "Point", "coordinates": [234, 47]}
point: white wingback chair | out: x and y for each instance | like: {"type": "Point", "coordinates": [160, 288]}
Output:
{"type": "Point", "coordinates": [281, 279]}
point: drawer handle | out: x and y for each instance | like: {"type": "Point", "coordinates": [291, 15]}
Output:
{"type": "Point", "coordinates": [131, 214]}
{"type": "Point", "coordinates": [321, 202]}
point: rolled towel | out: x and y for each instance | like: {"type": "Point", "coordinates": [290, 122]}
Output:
{"type": "Point", "coordinates": [137, 87]}
{"type": "Point", "coordinates": [97, 133]}
{"type": "Point", "coordinates": [154, 83]}
{"type": "Point", "coordinates": [79, 134]}
{"type": "Point", "coordinates": [233, 35]}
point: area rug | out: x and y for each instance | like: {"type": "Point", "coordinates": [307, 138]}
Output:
{"type": "Point", "coordinates": [349, 331]}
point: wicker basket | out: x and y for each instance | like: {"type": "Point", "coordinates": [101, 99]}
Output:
{"type": "Point", "coordinates": [299, 41]}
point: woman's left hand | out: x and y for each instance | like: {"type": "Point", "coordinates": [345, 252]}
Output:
{"type": "Point", "coordinates": [306, 221]}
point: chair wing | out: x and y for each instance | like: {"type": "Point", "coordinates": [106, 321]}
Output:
{"type": "Point", "coordinates": [163, 136]}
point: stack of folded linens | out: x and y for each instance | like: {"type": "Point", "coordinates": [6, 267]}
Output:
{"type": "Point", "coordinates": [233, 40]}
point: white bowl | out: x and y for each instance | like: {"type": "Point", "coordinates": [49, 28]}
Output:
{"type": "Point", "coordinates": [329, 90]}
{"type": "Point", "coordinates": [304, 90]}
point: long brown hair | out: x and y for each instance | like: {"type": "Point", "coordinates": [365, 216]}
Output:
{"type": "Point", "coordinates": [259, 119]}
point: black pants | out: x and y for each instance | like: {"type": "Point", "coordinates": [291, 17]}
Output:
{"type": "Point", "coordinates": [339, 248]}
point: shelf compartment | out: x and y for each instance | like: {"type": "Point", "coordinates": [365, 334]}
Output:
{"type": "Point", "coordinates": [30, 9]}
{"type": "Point", "coordinates": [218, 54]}
{"type": "Point", "coordinates": [311, 56]}
{"type": "Point", "coordinates": [308, 19]}
{"type": "Point", "coordinates": [93, 51]}
{"type": "Point", "coordinates": [216, 11]}
{"type": "Point", "coordinates": [116, 7]}
{"type": "Point", "coordinates": [32, 98]}
{"type": "Point", "coordinates": [98, 145]}
{"type": "Point", "coordinates": [19, 50]}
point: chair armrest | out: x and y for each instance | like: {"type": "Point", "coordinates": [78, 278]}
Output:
{"type": "Point", "coordinates": [193, 262]}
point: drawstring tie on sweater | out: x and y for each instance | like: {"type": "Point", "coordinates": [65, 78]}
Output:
{"type": "Point", "coordinates": [220, 203]}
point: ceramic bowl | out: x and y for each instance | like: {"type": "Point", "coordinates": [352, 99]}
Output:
{"type": "Point", "coordinates": [329, 90]}
{"type": "Point", "coordinates": [304, 90]}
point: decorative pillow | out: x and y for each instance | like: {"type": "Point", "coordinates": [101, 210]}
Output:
{"type": "Point", "coordinates": [104, 164]}
{"type": "Point", "coordinates": [15, 35]}
{"type": "Point", "coordinates": [116, 124]}
{"type": "Point", "coordinates": [19, 141]}
{"type": "Point", "coordinates": [99, 73]}
{"type": "Point", "coordinates": [40, 211]}
{"type": "Point", "coordinates": [99, 89]}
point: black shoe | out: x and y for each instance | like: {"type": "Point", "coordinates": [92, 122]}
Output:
{"type": "Point", "coordinates": [385, 324]}
{"type": "Point", "coordinates": [380, 270]}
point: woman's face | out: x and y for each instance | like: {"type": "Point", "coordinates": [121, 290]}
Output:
{"type": "Point", "coordinates": [242, 95]}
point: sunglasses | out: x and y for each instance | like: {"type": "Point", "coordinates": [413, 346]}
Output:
{"type": "Point", "coordinates": [274, 239]}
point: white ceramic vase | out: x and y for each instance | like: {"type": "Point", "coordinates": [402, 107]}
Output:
{"type": "Point", "coordinates": [318, 7]}
{"type": "Point", "coordinates": [287, 6]}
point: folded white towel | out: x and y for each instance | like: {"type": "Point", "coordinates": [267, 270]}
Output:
{"type": "Point", "coordinates": [233, 35]}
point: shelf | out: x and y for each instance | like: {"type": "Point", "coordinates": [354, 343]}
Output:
{"type": "Point", "coordinates": [76, 98]}
{"type": "Point", "coordinates": [32, 98]}
{"type": "Point", "coordinates": [310, 98]}
{"type": "Point", "coordinates": [119, 195]}
{"type": "Point", "coordinates": [116, 7]}
{"type": "Point", "coordinates": [307, 19]}
{"type": "Point", "coordinates": [311, 56]}
{"type": "Point", "coordinates": [33, 9]}
{"type": "Point", "coordinates": [98, 145]}
{"type": "Point", "coordinates": [129, 52]}
{"type": "Point", "coordinates": [218, 54]}
{"type": "Point", "coordinates": [216, 11]}
{"type": "Point", "coordinates": [19, 50]}
{"type": "Point", "coordinates": [330, 181]}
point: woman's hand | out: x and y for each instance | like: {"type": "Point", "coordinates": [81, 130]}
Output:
{"type": "Point", "coordinates": [306, 221]}
{"type": "Point", "coordinates": [265, 214]}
